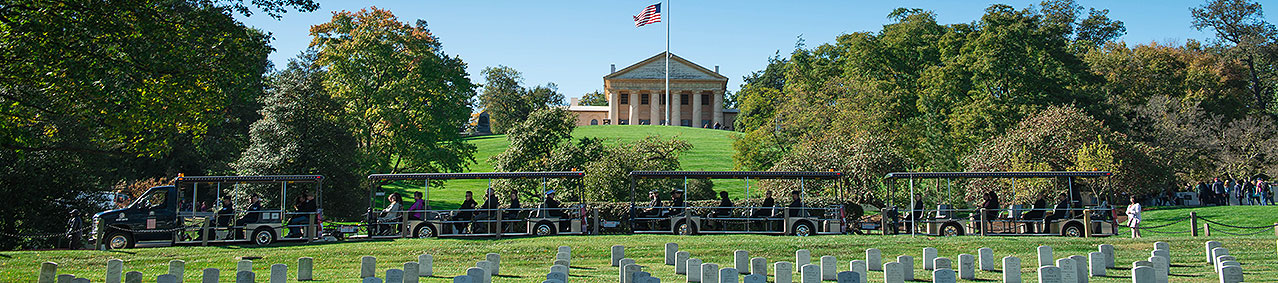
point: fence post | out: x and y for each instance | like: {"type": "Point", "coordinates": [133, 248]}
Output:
{"type": "Point", "coordinates": [1276, 229]}
{"type": "Point", "coordinates": [1207, 229]}
{"type": "Point", "coordinates": [310, 227]}
{"type": "Point", "coordinates": [984, 223]}
{"type": "Point", "coordinates": [1087, 223]}
{"type": "Point", "coordinates": [1193, 224]}
{"type": "Point", "coordinates": [594, 216]}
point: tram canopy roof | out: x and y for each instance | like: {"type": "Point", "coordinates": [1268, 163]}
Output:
{"type": "Point", "coordinates": [477, 175]}
{"type": "Point", "coordinates": [951, 175]}
{"type": "Point", "coordinates": [737, 174]}
{"type": "Point", "coordinates": [250, 179]}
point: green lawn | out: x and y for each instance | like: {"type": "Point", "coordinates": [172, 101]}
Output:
{"type": "Point", "coordinates": [711, 150]}
{"type": "Point", "coordinates": [526, 259]}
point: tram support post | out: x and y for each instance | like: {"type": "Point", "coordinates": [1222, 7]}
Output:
{"type": "Point", "coordinates": [985, 224]}
{"type": "Point", "coordinates": [1087, 223]}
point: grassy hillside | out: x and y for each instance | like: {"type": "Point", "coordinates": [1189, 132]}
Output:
{"type": "Point", "coordinates": [711, 150]}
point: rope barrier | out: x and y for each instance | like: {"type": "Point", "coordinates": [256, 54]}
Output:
{"type": "Point", "coordinates": [1182, 219]}
{"type": "Point", "coordinates": [45, 236]}
{"type": "Point", "coordinates": [1236, 227]}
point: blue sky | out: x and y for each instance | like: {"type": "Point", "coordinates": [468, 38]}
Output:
{"type": "Point", "coordinates": [572, 43]}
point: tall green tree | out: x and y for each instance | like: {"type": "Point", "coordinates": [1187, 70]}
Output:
{"type": "Point", "coordinates": [1241, 27]}
{"type": "Point", "coordinates": [299, 133]}
{"type": "Point", "coordinates": [403, 97]}
{"type": "Point", "coordinates": [508, 102]}
{"type": "Point", "coordinates": [594, 98]}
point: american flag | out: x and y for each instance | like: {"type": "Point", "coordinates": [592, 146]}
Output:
{"type": "Point", "coordinates": [649, 15]}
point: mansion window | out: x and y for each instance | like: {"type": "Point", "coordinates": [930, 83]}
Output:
{"type": "Point", "coordinates": [705, 99]}
{"type": "Point", "coordinates": [625, 98]}
{"type": "Point", "coordinates": [643, 99]}
{"type": "Point", "coordinates": [683, 99]}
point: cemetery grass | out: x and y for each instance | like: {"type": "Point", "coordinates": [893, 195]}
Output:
{"type": "Point", "coordinates": [529, 259]}
{"type": "Point", "coordinates": [711, 150]}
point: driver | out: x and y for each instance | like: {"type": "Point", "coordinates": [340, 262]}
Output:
{"type": "Point", "coordinates": [676, 203]}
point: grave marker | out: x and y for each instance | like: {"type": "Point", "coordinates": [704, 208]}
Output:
{"type": "Point", "coordinates": [562, 277]}
{"type": "Point", "coordinates": [858, 267]}
{"type": "Point", "coordinates": [986, 258]}
{"type": "Point", "coordinates": [412, 271]}
{"type": "Point", "coordinates": [681, 262]}
{"type": "Point", "coordinates": [1231, 274]}
{"type": "Point", "coordinates": [848, 277]}
{"type": "Point", "coordinates": [628, 272]}
{"type": "Point", "coordinates": [495, 258]}
{"type": "Point", "coordinates": [967, 266]}
{"type": "Point", "coordinates": [487, 266]}
{"type": "Point", "coordinates": [943, 275]}
{"type": "Point", "coordinates": [67, 278]}
{"type": "Point", "coordinates": [802, 257]}
{"type": "Point", "coordinates": [709, 273]}
{"type": "Point", "coordinates": [741, 261]}
{"type": "Point", "coordinates": [828, 269]}
{"type": "Point", "coordinates": [177, 267]}
{"type": "Point", "coordinates": [1011, 269]}
{"type": "Point", "coordinates": [1161, 268]}
{"type": "Point", "coordinates": [1096, 264]}
{"type": "Point", "coordinates": [1069, 273]}
{"type": "Point", "coordinates": [942, 262]}
{"type": "Point", "coordinates": [1162, 246]}
{"type": "Point", "coordinates": [1143, 274]}
{"type": "Point", "coordinates": [929, 254]}
{"type": "Point", "coordinates": [693, 266]}
{"type": "Point", "coordinates": [425, 265]}
{"type": "Point", "coordinates": [892, 273]}
{"type": "Point", "coordinates": [245, 277]}
{"type": "Point", "coordinates": [367, 267]}
{"type": "Point", "coordinates": [392, 276]}
{"type": "Point", "coordinates": [784, 272]}
{"type": "Point", "coordinates": [810, 273]}
{"type": "Point", "coordinates": [475, 274]}
{"type": "Point", "coordinates": [565, 249]}
{"type": "Point", "coordinates": [756, 278]}
{"type": "Point", "coordinates": [759, 265]}
{"type": "Point", "coordinates": [874, 259]}
{"type": "Point", "coordinates": [243, 265]}
{"type": "Point", "coordinates": [279, 273]}
{"type": "Point", "coordinates": [1044, 256]}
{"type": "Point", "coordinates": [1108, 251]}
{"type": "Point", "coordinates": [1210, 245]}
{"type": "Point", "coordinates": [305, 269]}
{"type": "Point", "coordinates": [462, 279]}
{"type": "Point", "coordinates": [1080, 267]}
{"type": "Point", "coordinates": [618, 253]}
{"type": "Point", "coordinates": [671, 249]}
{"type": "Point", "coordinates": [560, 269]}
{"type": "Point", "coordinates": [1049, 274]}
{"type": "Point", "coordinates": [907, 267]}
{"type": "Point", "coordinates": [132, 277]}
{"type": "Point", "coordinates": [162, 278]}
{"type": "Point", "coordinates": [729, 275]}
{"type": "Point", "coordinates": [115, 269]}
{"type": "Point", "coordinates": [210, 275]}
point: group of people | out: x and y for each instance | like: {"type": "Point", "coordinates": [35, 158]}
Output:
{"type": "Point", "coordinates": [469, 209]}
{"type": "Point", "coordinates": [1256, 191]}
{"type": "Point", "coordinates": [655, 209]}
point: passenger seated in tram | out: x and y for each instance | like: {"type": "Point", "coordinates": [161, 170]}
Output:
{"type": "Point", "coordinates": [990, 205]}
{"type": "Point", "coordinates": [464, 212]}
{"type": "Point", "coordinates": [490, 202]}
{"type": "Point", "coordinates": [551, 205]}
{"type": "Point", "coordinates": [725, 206]}
{"type": "Point", "coordinates": [390, 214]}
{"type": "Point", "coordinates": [796, 205]}
{"type": "Point", "coordinates": [226, 213]}
{"type": "Point", "coordinates": [676, 203]}
{"type": "Point", "coordinates": [1035, 213]}
{"type": "Point", "coordinates": [305, 207]}
{"type": "Point", "coordinates": [765, 209]}
{"type": "Point", "coordinates": [415, 210]}
{"type": "Point", "coordinates": [1060, 212]}
{"type": "Point", "coordinates": [916, 211]}
{"type": "Point", "coordinates": [654, 206]}
{"type": "Point", "coordinates": [514, 206]}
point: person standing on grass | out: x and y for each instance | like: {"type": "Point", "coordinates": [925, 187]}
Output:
{"type": "Point", "coordinates": [1133, 217]}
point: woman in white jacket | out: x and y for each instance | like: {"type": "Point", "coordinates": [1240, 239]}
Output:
{"type": "Point", "coordinates": [1133, 217]}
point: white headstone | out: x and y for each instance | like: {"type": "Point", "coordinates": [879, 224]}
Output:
{"type": "Point", "coordinates": [367, 267]}
{"type": "Point", "coordinates": [694, 269]}
{"type": "Point", "coordinates": [848, 277]}
{"type": "Point", "coordinates": [279, 273]}
{"type": "Point", "coordinates": [425, 265]}
{"type": "Point", "coordinates": [1221, 259]}
{"type": "Point", "coordinates": [162, 278]}
{"type": "Point", "coordinates": [874, 259]}
{"type": "Point", "coordinates": [1080, 267]}
{"type": "Point", "coordinates": [967, 266]}
{"type": "Point", "coordinates": [1108, 251]}
{"type": "Point", "coordinates": [245, 277]}
{"type": "Point", "coordinates": [243, 265]}
{"type": "Point", "coordinates": [907, 267]}
{"type": "Point", "coordinates": [563, 256]}
{"type": "Point", "coordinates": [210, 275]}
{"type": "Point", "coordinates": [681, 262]}
{"type": "Point", "coordinates": [80, 280]}
{"type": "Point", "coordinates": [1096, 264]}
{"type": "Point", "coordinates": [709, 272]}
{"type": "Point", "coordinates": [1231, 274]}
{"type": "Point", "coordinates": [810, 273]}
{"type": "Point", "coordinates": [784, 272]}
{"type": "Point", "coordinates": [1223, 264]}
{"type": "Point", "coordinates": [1162, 253]}
{"type": "Point", "coordinates": [729, 275]}
{"type": "Point", "coordinates": [986, 258]}
{"type": "Point", "coordinates": [671, 249]}
{"type": "Point", "coordinates": [618, 253]}
{"type": "Point", "coordinates": [1049, 274]}
{"type": "Point", "coordinates": [1011, 269]}
{"type": "Point", "coordinates": [1217, 252]}
{"type": "Point", "coordinates": [759, 265]}
{"type": "Point", "coordinates": [892, 273]}
{"type": "Point", "coordinates": [132, 277]}
{"type": "Point", "coordinates": [559, 269]}
{"type": "Point", "coordinates": [802, 257]}
{"type": "Point", "coordinates": [305, 269]}
{"type": "Point", "coordinates": [114, 271]}
{"type": "Point", "coordinates": [640, 276]}
{"type": "Point", "coordinates": [755, 278]}
{"type": "Point", "coordinates": [48, 272]}
{"type": "Point", "coordinates": [1069, 273]}
{"type": "Point", "coordinates": [565, 249]}
{"type": "Point", "coordinates": [412, 272]}
{"type": "Point", "coordinates": [1211, 258]}
{"type": "Point", "coordinates": [177, 267]}
{"type": "Point", "coordinates": [741, 261]}
{"type": "Point", "coordinates": [372, 280]}
{"type": "Point", "coordinates": [562, 277]}
{"type": "Point", "coordinates": [475, 274]}
{"type": "Point", "coordinates": [942, 262]}
{"type": "Point", "coordinates": [1044, 256]}
{"type": "Point", "coordinates": [1162, 268]}
{"type": "Point", "coordinates": [562, 262]}
{"type": "Point", "coordinates": [495, 258]}
{"type": "Point", "coordinates": [929, 254]}
{"type": "Point", "coordinates": [488, 269]}
{"type": "Point", "coordinates": [828, 268]}
{"type": "Point", "coordinates": [860, 268]}
{"type": "Point", "coordinates": [1142, 263]}
{"type": "Point", "coordinates": [394, 276]}
{"type": "Point", "coordinates": [1143, 274]}
{"type": "Point", "coordinates": [462, 279]}
{"type": "Point", "coordinates": [943, 275]}
{"type": "Point", "coordinates": [1162, 246]}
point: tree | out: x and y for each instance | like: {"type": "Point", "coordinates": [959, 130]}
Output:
{"type": "Point", "coordinates": [299, 134]}
{"type": "Point", "coordinates": [863, 159]}
{"type": "Point", "coordinates": [533, 144]}
{"type": "Point", "coordinates": [508, 102]}
{"type": "Point", "coordinates": [1241, 27]}
{"type": "Point", "coordinates": [403, 98]}
{"type": "Point", "coordinates": [609, 176]}
{"type": "Point", "coordinates": [594, 98]}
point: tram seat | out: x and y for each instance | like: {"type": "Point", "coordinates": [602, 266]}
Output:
{"type": "Point", "coordinates": [944, 211]}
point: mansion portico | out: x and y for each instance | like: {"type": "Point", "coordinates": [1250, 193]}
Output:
{"type": "Point", "coordinates": [636, 96]}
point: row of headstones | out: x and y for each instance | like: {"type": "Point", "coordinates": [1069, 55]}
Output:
{"type": "Point", "coordinates": [1227, 267]}
{"type": "Point", "coordinates": [177, 269]}
{"type": "Point", "coordinates": [410, 273]}
{"type": "Point", "coordinates": [559, 268]}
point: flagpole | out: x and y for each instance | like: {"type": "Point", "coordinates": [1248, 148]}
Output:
{"type": "Point", "coordinates": [669, 98]}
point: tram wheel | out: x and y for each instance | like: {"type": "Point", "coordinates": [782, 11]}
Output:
{"type": "Point", "coordinates": [803, 229]}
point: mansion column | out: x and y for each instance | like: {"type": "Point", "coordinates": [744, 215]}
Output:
{"type": "Point", "coordinates": [634, 108]}
{"type": "Point", "coordinates": [654, 101]}
{"type": "Point", "coordinates": [614, 102]}
{"type": "Point", "coordinates": [696, 110]}
{"type": "Point", "coordinates": [676, 108]}
{"type": "Point", "coordinates": [718, 108]}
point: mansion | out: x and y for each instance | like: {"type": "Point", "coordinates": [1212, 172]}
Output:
{"type": "Point", "coordinates": [636, 96]}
